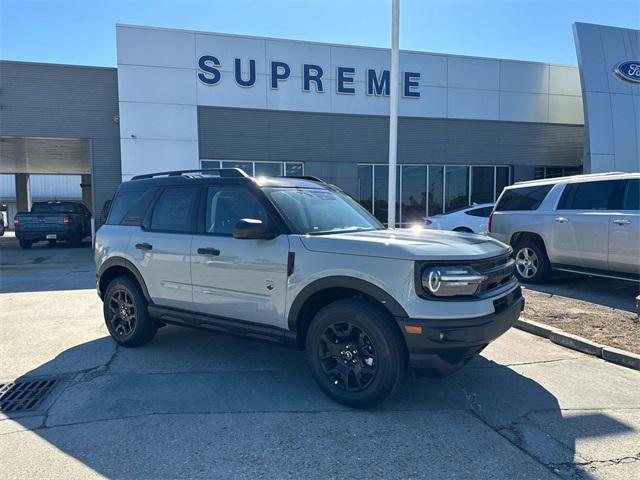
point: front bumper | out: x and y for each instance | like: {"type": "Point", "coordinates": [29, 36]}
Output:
{"type": "Point", "coordinates": [451, 341]}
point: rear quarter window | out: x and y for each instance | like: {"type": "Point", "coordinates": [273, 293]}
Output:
{"type": "Point", "coordinates": [600, 195]}
{"type": "Point", "coordinates": [121, 205]}
{"type": "Point", "coordinates": [525, 198]}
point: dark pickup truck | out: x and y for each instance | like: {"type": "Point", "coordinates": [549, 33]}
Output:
{"type": "Point", "coordinates": [53, 221]}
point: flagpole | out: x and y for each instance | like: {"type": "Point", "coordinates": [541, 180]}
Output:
{"type": "Point", "coordinates": [393, 112]}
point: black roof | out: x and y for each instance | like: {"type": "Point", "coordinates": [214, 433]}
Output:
{"type": "Point", "coordinates": [220, 176]}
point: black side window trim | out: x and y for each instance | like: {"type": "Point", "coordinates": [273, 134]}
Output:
{"type": "Point", "coordinates": [146, 224]}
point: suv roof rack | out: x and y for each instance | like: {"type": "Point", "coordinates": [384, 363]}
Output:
{"type": "Point", "coordinates": [306, 177]}
{"type": "Point", "coordinates": [221, 172]}
{"type": "Point", "coordinates": [568, 178]}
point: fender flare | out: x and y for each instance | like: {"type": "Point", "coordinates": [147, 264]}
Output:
{"type": "Point", "coordinates": [342, 282]}
{"type": "Point", "coordinates": [127, 265]}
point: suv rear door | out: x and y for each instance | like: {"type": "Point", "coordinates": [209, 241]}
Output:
{"type": "Point", "coordinates": [624, 231]}
{"type": "Point", "coordinates": [580, 232]}
{"type": "Point", "coordinates": [161, 248]}
{"type": "Point", "coordinates": [233, 278]}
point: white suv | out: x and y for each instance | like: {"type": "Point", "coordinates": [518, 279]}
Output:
{"type": "Point", "coordinates": [586, 224]}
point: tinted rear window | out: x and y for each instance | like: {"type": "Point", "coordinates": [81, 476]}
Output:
{"type": "Point", "coordinates": [526, 198]}
{"type": "Point", "coordinates": [631, 197]}
{"type": "Point", "coordinates": [590, 195]}
{"type": "Point", "coordinates": [53, 208]}
{"type": "Point", "coordinates": [121, 205]}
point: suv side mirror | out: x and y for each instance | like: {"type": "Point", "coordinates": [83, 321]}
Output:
{"type": "Point", "coordinates": [252, 229]}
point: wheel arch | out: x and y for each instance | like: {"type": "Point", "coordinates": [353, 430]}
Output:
{"type": "Point", "coordinates": [115, 267]}
{"type": "Point", "coordinates": [517, 237]}
{"type": "Point", "coordinates": [326, 290]}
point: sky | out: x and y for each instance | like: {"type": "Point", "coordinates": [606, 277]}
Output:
{"type": "Point", "coordinates": [83, 31]}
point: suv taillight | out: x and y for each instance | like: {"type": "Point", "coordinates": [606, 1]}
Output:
{"type": "Point", "coordinates": [66, 220]}
{"type": "Point", "coordinates": [16, 221]}
{"type": "Point", "coordinates": [490, 221]}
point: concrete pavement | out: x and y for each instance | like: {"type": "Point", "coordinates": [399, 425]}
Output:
{"type": "Point", "coordinates": [202, 405]}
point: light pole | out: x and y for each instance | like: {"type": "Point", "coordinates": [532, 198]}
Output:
{"type": "Point", "coordinates": [393, 113]}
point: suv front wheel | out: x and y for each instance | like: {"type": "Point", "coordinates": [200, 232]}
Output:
{"type": "Point", "coordinates": [357, 354]}
{"type": "Point", "coordinates": [125, 313]}
{"type": "Point", "coordinates": [532, 263]}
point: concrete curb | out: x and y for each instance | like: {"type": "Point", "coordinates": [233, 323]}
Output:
{"type": "Point", "coordinates": [581, 344]}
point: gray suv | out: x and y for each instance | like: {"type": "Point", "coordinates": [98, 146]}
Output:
{"type": "Point", "coordinates": [587, 224]}
{"type": "Point", "coordinates": [296, 261]}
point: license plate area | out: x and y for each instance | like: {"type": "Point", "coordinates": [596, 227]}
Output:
{"type": "Point", "coordinates": [52, 236]}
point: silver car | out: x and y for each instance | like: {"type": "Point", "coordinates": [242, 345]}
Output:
{"type": "Point", "coordinates": [587, 224]}
{"type": "Point", "coordinates": [299, 262]}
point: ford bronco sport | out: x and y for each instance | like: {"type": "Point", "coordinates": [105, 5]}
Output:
{"type": "Point", "coordinates": [297, 261]}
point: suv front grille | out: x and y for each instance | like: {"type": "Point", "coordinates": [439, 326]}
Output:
{"type": "Point", "coordinates": [499, 272]}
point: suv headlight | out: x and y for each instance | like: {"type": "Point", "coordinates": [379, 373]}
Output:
{"type": "Point", "coordinates": [451, 280]}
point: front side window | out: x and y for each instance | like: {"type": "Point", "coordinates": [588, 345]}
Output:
{"type": "Point", "coordinates": [315, 211]}
{"type": "Point", "coordinates": [227, 206]}
{"type": "Point", "coordinates": [589, 195]}
{"type": "Point", "coordinates": [631, 197]}
{"type": "Point", "coordinates": [175, 210]}
{"type": "Point", "coordinates": [526, 198]}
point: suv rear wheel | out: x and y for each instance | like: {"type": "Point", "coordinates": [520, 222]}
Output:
{"type": "Point", "coordinates": [532, 263]}
{"type": "Point", "coordinates": [356, 353]}
{"type": "Point", "coordinates": [125, 313]}
{"type": "Point", "coordinates": [25, 243]}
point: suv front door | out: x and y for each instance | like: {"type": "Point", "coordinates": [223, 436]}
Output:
{"type": "Point", "coordinates": [233, 278]}
{"type": "Point", "coordinates": [161, 248]}
{"type": "Point", "coordinates": [624, 231]}
{"type": "Point", "coordinates": [580, 228]}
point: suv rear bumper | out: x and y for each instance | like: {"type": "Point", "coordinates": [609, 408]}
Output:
{"type": "Point", "coordinates": [445, 343]}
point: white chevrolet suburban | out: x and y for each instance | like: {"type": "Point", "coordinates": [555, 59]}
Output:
{"type": "Point", "coordinates": [587, 224]}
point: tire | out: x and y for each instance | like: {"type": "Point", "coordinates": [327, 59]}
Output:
{"type": "Point", "coordinates": [373, 336]}
{"type": "Point", "coordinates": [463, 230]}
{"type": "Point", "coordinates": [538, 269]}
{"type": "Point", "coordinates": [1, 229]}
{"type": "Point", "coordinates": [25, 244]}
{"type": "Point", "coordinates": [137, 328]}
{"type": "Point", "coordinates": [53, 242]}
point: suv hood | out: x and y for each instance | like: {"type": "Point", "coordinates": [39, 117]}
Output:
{"type": "Point", "coordinates": [407, 244]}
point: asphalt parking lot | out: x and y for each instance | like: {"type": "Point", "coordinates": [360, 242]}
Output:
{"type": "Point", "coordinates": [195, 405]}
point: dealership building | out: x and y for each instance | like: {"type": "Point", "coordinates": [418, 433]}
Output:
{"type": "Point", "coordinates": [180, 99]}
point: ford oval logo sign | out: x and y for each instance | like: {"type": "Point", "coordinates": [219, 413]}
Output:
{"type": "Point", "coordinates": [629, 71]}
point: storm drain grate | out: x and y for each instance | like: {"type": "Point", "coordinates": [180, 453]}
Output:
{"type": "Point", "coordinates": [23, 396]}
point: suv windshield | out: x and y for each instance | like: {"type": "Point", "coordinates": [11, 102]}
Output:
{"type": "Point", "coordinates": [311, 211]}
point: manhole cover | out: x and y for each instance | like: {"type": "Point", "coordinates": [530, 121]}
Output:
{"type": "Point", "coordinates": [22, 396]}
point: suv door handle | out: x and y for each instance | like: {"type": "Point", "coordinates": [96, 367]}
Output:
{"type": "Point", "coordinates": [144, 246]}
{"type": "Point", "coordinates": [208, 251]}
{"type": "Point", "coordinates": [562, 219]}
{"type": "Point", "coordinates": [620, 221]}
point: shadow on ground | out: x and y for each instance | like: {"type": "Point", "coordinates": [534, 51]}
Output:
{"type": "Point", "coordinates": [602, 291]}
{"type": "Point", "coordinates": [199, 405]}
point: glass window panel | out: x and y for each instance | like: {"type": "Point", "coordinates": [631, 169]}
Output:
{"type": "Point", "coordinates": [553, 172]}
{"type": "Point", "coordinates": [381, 192]}
{"type": "Point", "coordinates": [590, 195]}
{"type": "Point", "coordinates": [414, 194]}
{"type": "Point", "coordinates": [246, 166]}
{"type": "Point", "coordinates": [457, 187]}
{"type": "Point", "coordinates": [175, 209]}
{"type": "Point", "coordinates": [436, 181]}
{"type": "Point", "coordinates": [210, 164]}
{"type": "Point", "coordinates": [482, 184]}
{"type": "Point", "coordinates": [227, 206]}
{"type": "Point", "coordinates": [365, 173]}
{"type": "Point", "coordinates": [524, 198]}
{"type": "Point", "coordinates": [268, 169]}
{"type": "Point", "coordinates": [294, 169]}
{"type": "Point", "coordinates": [538, 173]}
{"type": "Point", "coordinates": [502, 179]}
{"type": "Point", "coordinates": [569, 171]}
{"type": "Point", "coordinates": [631, 197]}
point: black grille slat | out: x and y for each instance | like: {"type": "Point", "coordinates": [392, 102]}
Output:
{"type": "Point", "coordinates": [499, 272]}
{"type": "Point", "coordinates": [22, 396]}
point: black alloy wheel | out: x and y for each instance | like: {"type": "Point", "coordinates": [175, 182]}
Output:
{"type": "Point", "coordinates": [125, 313]}
{"type": "Point", "coordinates": [122, 311]}
{"type": "Point", "coordinates": [356, 352]}
{"type": "Point", "coordinates": [347, 357]}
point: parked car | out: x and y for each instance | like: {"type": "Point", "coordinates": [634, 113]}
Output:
{"type": "Point", "coordinates": [299, 262]}
{"type": "Point", "coordinates": [588, 224]}
{"type": "Point", "coordinates": [53, 221]}
{"type": "Point", "coordinates": [472, 219]}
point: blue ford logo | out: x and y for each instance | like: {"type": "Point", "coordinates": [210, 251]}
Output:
{"type": "Point", "coordinates": [629, 71]}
